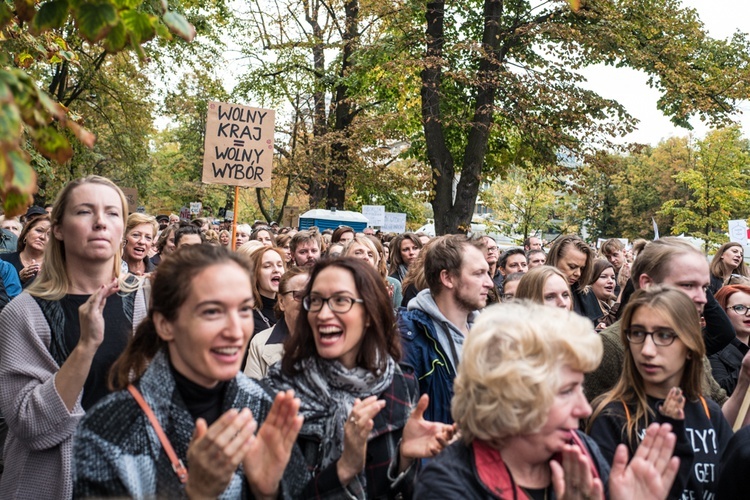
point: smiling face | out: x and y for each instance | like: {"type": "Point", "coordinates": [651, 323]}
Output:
{"type": "Point", "coordinates": [569, 407]}
{"type": "Point", "coordinates": [556, 293]}
{"type": "Point", "coordinates": [732, 257]}
{"type": "Point", "coordinates": [269, 274]}
{"type": "Point", "coordinates": [604, 286]}
{"type": "Point", "coordinates": [338, 336]}
{"type": "Point", "coordinates": [571, 263]}
{"type": "Point", "coordinates": [38, 235]}
{"type": "Point", "coordinates": [138, 242]}
{"type": "Point", "coordinates": [208, 338]}
{"type": "Point", "coordinates": [661, 367]}
{"type": "Point", "coordinates": [92, 224]}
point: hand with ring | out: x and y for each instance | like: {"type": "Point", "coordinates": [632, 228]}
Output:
{"type": "Point", "coordinates": [356, 431]}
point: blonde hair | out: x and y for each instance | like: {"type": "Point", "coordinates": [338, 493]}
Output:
{"type": "Point", "coordinates": [506, 382]}
{"type": "Point", "coordinates": [249, 247]}
{"type": "Point", "coordinates": [52, 282]}
{"type": "Point", "coordinates": [531, 285]}
{"type": "Point", "coordinates": [136, 219]}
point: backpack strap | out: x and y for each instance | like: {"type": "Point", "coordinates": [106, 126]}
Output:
{"type": "Point", "coordinates": [177, 465]}
{"type": "Point", "coordinates": [705, 407]}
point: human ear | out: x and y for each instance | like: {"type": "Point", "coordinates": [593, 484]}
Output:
{"type": "Point", "coordinates": [446, 279]}
{"type": "Point", "coordinates": [164, 328]}
{"type": "Point", "coordinates": [645, 281]}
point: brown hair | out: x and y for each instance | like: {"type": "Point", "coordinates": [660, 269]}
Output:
{"type": "Point", "coordinates": [599, 266]}
{"type": "Point", "coordinates": [611, 246]}
{"type": "Point", "coordinates": [340, 231]}
{"type": "Point", "coordinates": [256, 263]}
{"type": "Point", "coordinates": [561, 246]}
{"type": "Point", "coordinates": [27, 228]}
{"type": "Point", "coordinates": [395, 248]}
{"type": "Point", "coordinates": [171, 287]}
{"type": "Point", "coordinates": [655, 259]}
{"type": "Point", "coordinates": [446, 253]}
{"type": "Point", "coordinates": [719, 268]}
{"type": "Point", "coordinates": [380, 338]}
{"type": "Point", "coordinates": [630, 389]}
{"type": "Point", "coordinates": [161, 242]}
{"type": "Point", "coordinates": [290, 273]}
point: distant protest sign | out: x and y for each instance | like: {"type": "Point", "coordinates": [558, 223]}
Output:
{"type": "Point", "coordinates": [131, 194]}
{"type": "Point", "coordinates": [394, 222]}
{"type": "Point", "coordinates": [239, 145]}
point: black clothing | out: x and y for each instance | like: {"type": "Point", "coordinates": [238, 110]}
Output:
{"type": "Point", "coordinates": [265, 317]}
{"type": "Point", "coordinates": [719, 331]}
{"type": "Point", "coordinates": [410, 292]}
{"type": "Point", "coordinates": [586, 304]}
{"type": "Point", "coordinates": [15, 259]}
{"type": "Point", "coordinates": [716, 283]}
{"type": "Point", "coordinates": [115, 340]}
{"type": "Point", "coordinates": [726, 364]}
{"type": "Point", "coordinates": [735, 463]}
{"type": "Point", "coordinates": [201, 402]}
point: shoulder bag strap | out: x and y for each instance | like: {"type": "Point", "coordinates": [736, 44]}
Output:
{"type": "Point", "coordinates": [177, 465]}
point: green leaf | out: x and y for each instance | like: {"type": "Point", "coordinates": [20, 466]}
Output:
{"type": "Point", "coordinates": [51, 15]}
{"type": "Point", "coordinates": [5, 14]}
{"type": "Point", "coordinates": [24, 177]}
{"type": "Point", "coordinates": [179, 25]}
{"type": "Point", "coordinates": [52, 144]}
{"type": "Point", "coordinates": [10, 123]}
{"type": "Point", "coordinates": [139, 26]}
{"type": "Point", "coordinates": [162, 31]}
{"type": "Point", "coordinates": [95, 20]}
{"type": "Point", "coordinates": [50, 105]}
{"type": "Point", "coordinates": [127, 4]}
{"type": "Point", "coordinates": [116, 38]}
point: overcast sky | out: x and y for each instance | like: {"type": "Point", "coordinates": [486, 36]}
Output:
{"type": "Point", "coordinates": [722, 18]}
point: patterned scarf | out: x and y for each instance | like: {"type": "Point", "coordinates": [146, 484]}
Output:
{"type": "Point", "coordinates": [327, 391]}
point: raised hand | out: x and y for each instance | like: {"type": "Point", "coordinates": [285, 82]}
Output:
{"type": "Point", "coordinates": [271, 449]}
{"type": "Point", "coordinates": [356, 431]}
{"type": "Point", "coordinates": [651, 472]}
{"type": "Point", "coordinates": [215, 452]}
{"type": "Point", "coordinates": [421, 438]}
{"type": "Point", "coordinates": [91, 316]}
{"type": "Point", "coordinates": [573, 480]}
{"type": "Point", "coordinates": [674, 406]}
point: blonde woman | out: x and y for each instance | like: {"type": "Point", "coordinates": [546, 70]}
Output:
{"type": "Point", "coordinates": [518, 404]}
{"type": "Point", "coordinates": [140, 234]}
{"type": "Point", "coordinates": [54, 356]}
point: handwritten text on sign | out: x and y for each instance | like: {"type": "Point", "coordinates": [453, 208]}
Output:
{"type": "Point", "coordinates": [239, 145]}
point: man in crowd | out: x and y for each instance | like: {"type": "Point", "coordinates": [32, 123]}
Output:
{"type": "Point", "coordinates": [513, 260]}
{"type": "Point", "coordinates": [438, 319]}
{"type": "Point", "coordinates": [491, 255]}
{"type": "Point", "coordinates": [535, 258]}
{"type": "Point", "coordinates": [188, 235]}
{"type": "Point", "coordinates": [305, 248]}
{"type": "Point", "coordinates": [614, 251]}
{"type": "Point", "coordinates": [532, 243]}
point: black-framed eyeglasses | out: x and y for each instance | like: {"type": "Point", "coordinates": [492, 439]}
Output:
{"type": "Point", "coordinates": [740, 309]}
{"type": "Point", "coordinates": [297, 295]}
{"type": "Point", "coordinates": [338, 303]}
{"type": "Point", "coordinates": [662, 337]}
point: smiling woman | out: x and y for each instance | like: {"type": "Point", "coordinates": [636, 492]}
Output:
{"type": "Point", "coordinates": [184, 361]}
{"type": "Point", "coordinates": [360, 435]}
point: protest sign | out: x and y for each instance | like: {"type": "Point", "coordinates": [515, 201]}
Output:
{"type": "Point", "coordinates": [394, 223]}
{"type": "Point", "coordinates": [195, 207]}
{"type": "Point", "coordinates": [239, 145]}
{"type": "Point", "coordinates": [375, 214]}
{"type": "Point", "coordinates": [131, 194]}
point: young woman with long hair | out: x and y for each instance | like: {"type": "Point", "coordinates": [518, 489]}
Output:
{"type": "Point", "coordinates": [661, 382]}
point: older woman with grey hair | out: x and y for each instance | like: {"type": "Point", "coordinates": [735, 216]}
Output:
{"type": "Point", "coordinates": [518, 403]}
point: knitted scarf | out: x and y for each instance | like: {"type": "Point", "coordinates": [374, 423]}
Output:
{"type": "Point", "coordinates": [327, 390]}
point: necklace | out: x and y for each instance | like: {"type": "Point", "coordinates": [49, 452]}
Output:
{"type": "Point", "coordinates": [265, 320]}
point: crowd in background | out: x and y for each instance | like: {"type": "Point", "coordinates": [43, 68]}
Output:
{"type": "Point", "coordinates": [146, 356]}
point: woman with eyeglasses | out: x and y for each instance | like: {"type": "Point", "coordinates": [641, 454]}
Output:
{"type": "Point", "coordinates": [726, 364]}
{"type": "Point", "coordinates": [363, 427]}
{"type": "Point", "coordinates": [661, 382]}
{"type": "Point", "coordinates": [267, 347]}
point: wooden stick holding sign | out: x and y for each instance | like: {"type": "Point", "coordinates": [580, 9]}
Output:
{"type": "Point", "coordinates": [238, 150]}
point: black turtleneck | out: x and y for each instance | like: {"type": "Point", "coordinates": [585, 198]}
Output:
{"type": "Point", "coordinates": [266, 311]}
{"type": "Point", "coordinates": [201, 402]}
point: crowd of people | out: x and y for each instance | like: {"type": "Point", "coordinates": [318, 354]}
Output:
{"type": "Point", "coordinates": [154, 357]}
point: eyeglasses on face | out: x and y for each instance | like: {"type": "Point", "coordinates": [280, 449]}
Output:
{"type": "Point", "coordinates": [662, 337]}
{"type": "Point", "coordinates": [297, 295]}
{"type": "Point", "coordinates": [740, 309]}
{"type": "Point", "coordinates": [338, 303]}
